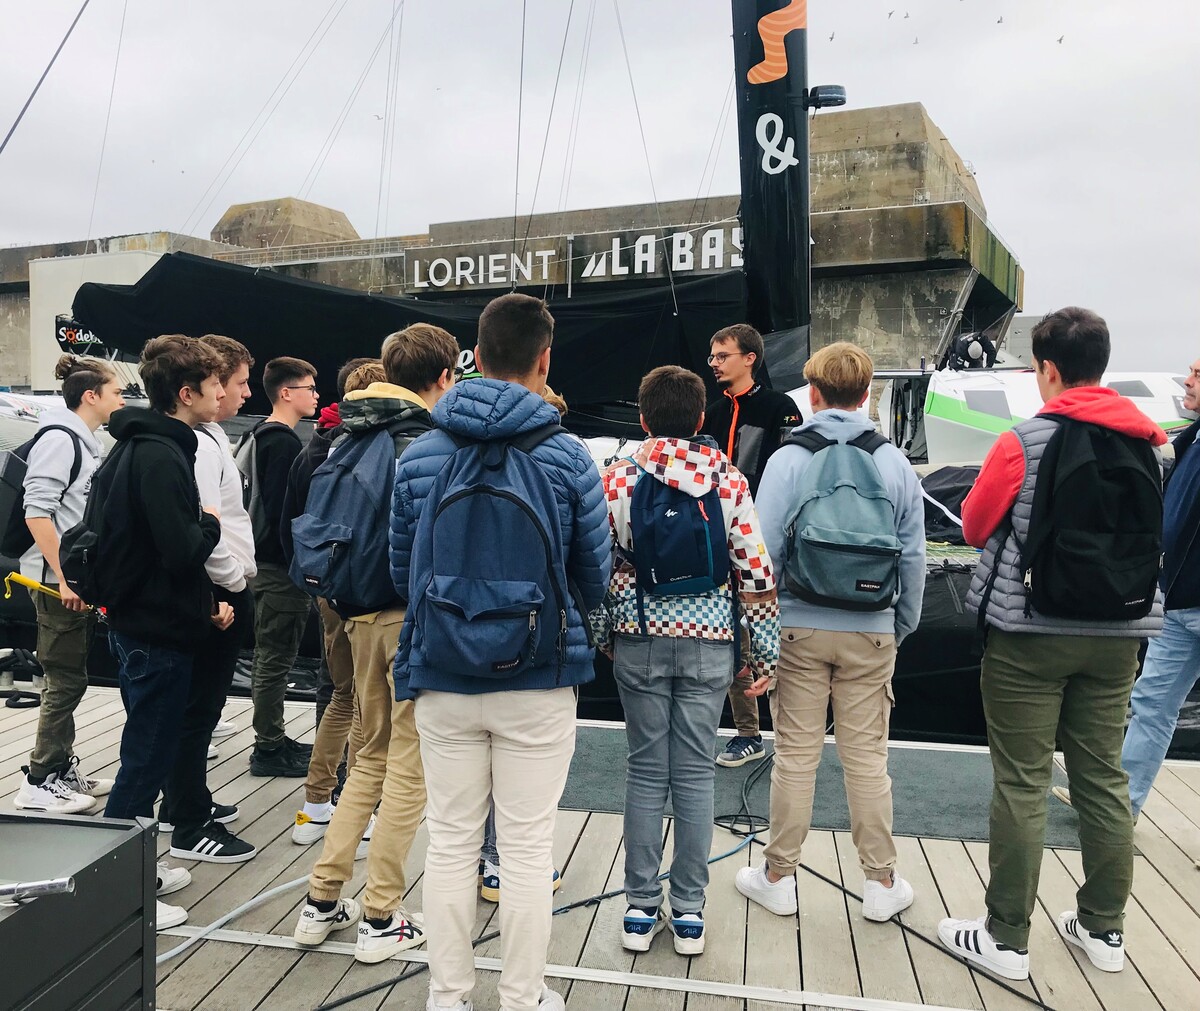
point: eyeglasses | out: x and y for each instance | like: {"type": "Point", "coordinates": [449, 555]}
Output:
{"type": "Point", "coordinates": [310, 389]}
{"type": "Point", "coordinates": [721, 358]}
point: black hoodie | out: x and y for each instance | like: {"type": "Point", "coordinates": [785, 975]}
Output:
{"type": "Point", "coordinates": [155, 539]}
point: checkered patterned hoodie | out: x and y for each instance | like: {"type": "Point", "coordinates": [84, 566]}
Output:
{"type": "Point", "coordinates": [695, 466]}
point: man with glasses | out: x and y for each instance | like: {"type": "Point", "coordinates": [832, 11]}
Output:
{"type": "Point", "coordinates": [281, 609]}
{"type": "Point", "coordinates": [748, 422]}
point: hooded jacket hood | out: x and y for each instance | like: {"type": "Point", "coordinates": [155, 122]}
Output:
{"type": "Point", "coordinates": [694, 466]}
{"type": "Point", "coordinates": [492, 409]}
{"type": "Point", "coordinates": [130, 421]}
{"type": "Point", "coordinates": [60, 415]}
{"type": "Point", "coordinates": [382, 404]}
{"type": "Point", "coordinates": [1099, 405]}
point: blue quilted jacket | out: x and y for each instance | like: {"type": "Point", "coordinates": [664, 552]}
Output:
{"type": "Point", "coordinates": [490, 409]}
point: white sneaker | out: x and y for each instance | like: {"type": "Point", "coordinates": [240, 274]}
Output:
{"type": "Point", "coordinates": [308, 830]}
{"type": "Point", "coordinates": [551, 1000]}
{"type": "Point", "coordinates": [314, 926]}
{"type": "Point", "coordinates": [688, 929]}
{"type": "Point", "coordinates": [639, 927]}
{"type": "Point", "coordinates": [364, 847]}
{"type": "Point", "coordinates": [970, 939]}
{"type": "Point", "coordinates": [881, 903]}
{"type": "Point", "coordinates": [168, 916]}
{"type": "Point", "coordinates": [1105, 950]}
{"type": "Point", "coordinates": [462, 1005]}
{"type": "Point", "coordinates": [213, 752]}
{"type": "Point", "coordinates": [224, 729]}
{"type": "Point", "coordinates": [777, 896]}
{"type": "Point", "coordinates": [376, 944]}
{"type": "Point", "coordinates": [84, 785]}
{"type": "Point", "coordinates": [171, 879]}
{"type": "Point", "coordinates": [52, 796]}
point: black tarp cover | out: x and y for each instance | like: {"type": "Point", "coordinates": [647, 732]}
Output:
{"type": "Point", "coordinates": [604, 341]}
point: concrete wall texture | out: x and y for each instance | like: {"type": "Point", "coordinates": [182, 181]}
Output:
{"type": "Point", "coordinates": [282, 222]}
{"type": "Point", "coordinates": [14, 338]}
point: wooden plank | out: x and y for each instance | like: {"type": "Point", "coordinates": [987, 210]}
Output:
{"type": "Point", "coordinates": [308, 983]}
{"type": "Point", "coordinates": [941, 980]}
{"type": "Point", "coordinates": [772, 942]}
{"type": "Point", "coordinates": [249, 983]}
{"type": "Point", "coordinates": [827, 958]}
{"type": "Point", "coordinates": [724, 958]}
{"type": "Point", "coordinates": [1167, 975]}
{"type": "Point", "coordinates": [1169, 860]}
{"type": "Point", "coordinates": [16, 747]}
{"type": "Point", "coordinates": [962, 891]}
{"type": "Point", "coordinates": [1187, 772]}
{"type": "Point", "coordinates": [661, 959]}
{"type": "Point", "coordinates": [1174, 917]}
{"type": "Point", "coordinates": [362, 976]}
{"type": "Point", "coordinates": [602, 949]}
{"type": "Point", "coordinates": [884, 967]}
{"type": "Point", "coordinates": [1173, 823]}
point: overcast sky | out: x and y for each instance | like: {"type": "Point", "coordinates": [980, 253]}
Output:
{"type": "Point", "coordinates": [1086, 151]}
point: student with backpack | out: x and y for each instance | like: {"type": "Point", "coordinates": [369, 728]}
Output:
{"type": "Point", "coordinates": [188, 812]}
{"type": "Point", "coordinates": [341, 554]}
{"type": "Point", "coordinates": [748, 421]}
{"type": "Point", "coordinates": [842, 514]}
{"type": "Point", "coordinates": [59, 463]}
{"type": "Point", "coordinates": [281, 610]}
{"type": "Point", "coordinates": [150, 538]}
{"type": "Point", "coordinates": [339, 735]}
{"type": "Point", "coordinates": [1068, 510]}
{"type": "Point", "coordinates": [499, 544]}
{"type": "Point", "coordinates": [691, 564]}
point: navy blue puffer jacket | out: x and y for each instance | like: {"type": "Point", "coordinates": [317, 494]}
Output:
{"type": "Point", "coordinates": [490, 409]}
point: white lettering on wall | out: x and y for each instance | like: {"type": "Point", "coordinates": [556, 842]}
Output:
{"type": "Point", "coordinates": [682, 257]}
{"type": "Point", "coordinates": [643, 255]}
{"type": "Point", "coordinates": [735, 238]}
{"type": "Point", "coordinates": [712, 249]}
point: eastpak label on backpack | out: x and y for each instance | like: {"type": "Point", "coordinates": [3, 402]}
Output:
{"type": "Point", "coordinates": [1094, 545]}
{"type": "Point", "coordinates": [496, 601]}
{"type": "Point", "coordinates": [840, 543]}
{"type": "Point", "coordinates": [15, 538]}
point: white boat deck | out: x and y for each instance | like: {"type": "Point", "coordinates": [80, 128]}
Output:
{"type": "Point", "coordinates": [827, 957]}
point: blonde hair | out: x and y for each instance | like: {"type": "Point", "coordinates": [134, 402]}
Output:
{"type": "Point", "coordinates": [555, 400]}
{"type": "Point", "coordinates": [841, 372]}
{"type": "Point", "coordinates": [363, 376]}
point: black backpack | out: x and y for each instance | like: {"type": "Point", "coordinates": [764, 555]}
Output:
{"type": "Point", "coordinates": [15, 538]}
{"type": "Point", "coordinates": [1094, 546]}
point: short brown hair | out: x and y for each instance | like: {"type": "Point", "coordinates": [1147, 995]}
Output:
{"type": "Point", "coordinates": [344, 373]}
{"type": "Point", "coordinates": [363, 376]}
{"type": "Point", "coordinates": [513, 330]}
{"type": "Point", "coordinates": [555, 400]}
{"type": "Point", "coordinates": [279, 372]}
{"type": "Point", "coordinates": [232, 354]}
{"type": "Point", "coordinates": [79, 375]}
{"type": "Point", "coordinates": [1077, 341]}
{"type": "Point", "coordinates": [172, 362]}
{"type": "Point", "coordinates": [841, 372]}
{"type": "Point", "coordinates": [416, 356]}
{"type": "Point", "coordinates": [671, 400]}
{"type": "Point", "coordinates": [748, 340]}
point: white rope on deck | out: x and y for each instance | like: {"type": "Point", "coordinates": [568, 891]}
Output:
{"type": "Point", "coordinates": [794, 998]}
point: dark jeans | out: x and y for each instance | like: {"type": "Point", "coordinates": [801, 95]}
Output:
{"type": "Point", "coordinates": [188, 802]}
{"type": "Point", "coordinates": [155, 681]}
{"type": "Point", "coordinates": [282, 611]}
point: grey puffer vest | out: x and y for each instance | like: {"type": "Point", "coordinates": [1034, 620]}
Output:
{"type": "Point", "coordinates": [1006, 605]}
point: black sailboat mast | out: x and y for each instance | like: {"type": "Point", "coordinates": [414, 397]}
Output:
{"type": "Point", "coordinates": [770, 43]}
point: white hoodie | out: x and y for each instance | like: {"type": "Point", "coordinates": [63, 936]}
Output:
{"type": "Point", "coordinates": [220, 484]}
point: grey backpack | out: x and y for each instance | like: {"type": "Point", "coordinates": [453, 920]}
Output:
{"type": "Point", "coordinates": [840, 543]}
{"type": "Point", "coordinates": [246, 458]}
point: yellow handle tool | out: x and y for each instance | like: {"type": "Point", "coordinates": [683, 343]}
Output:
{"type": "Point", "coordinates": [31, 584]}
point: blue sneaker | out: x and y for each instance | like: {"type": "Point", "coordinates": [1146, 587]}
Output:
{"type": "Point", "coordinates": [688, 929]}
{"type": "Point", "coordinates": [489, 881]}
{"type": "Point", "coordinates": [741, 750]}
{"type": "Point", "coordinates": [640, 926]}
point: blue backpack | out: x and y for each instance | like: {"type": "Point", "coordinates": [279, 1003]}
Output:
{"type": "Point", "coordinates": [840, 543]}
{"type": "Point", "coordinates": [495, 600]}
{"type": "Point", "coordinates": [341, 539]}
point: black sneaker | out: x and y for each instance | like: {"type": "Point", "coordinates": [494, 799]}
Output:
{"type": "Point", "coordinates": [281, 761]}
{"type": "Point", "coordinates": [214, 843]}
{"type": "Point", "coordinates": [224, 813]}
{"type": "Point", "coordinates": [297, 748]}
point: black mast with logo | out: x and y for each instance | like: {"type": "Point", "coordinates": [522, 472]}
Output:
{"type": "Point", "coordinates": [770, 45]}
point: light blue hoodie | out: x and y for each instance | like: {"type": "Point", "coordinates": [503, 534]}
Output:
{"type": "Point", "coordinates": [778, 491]}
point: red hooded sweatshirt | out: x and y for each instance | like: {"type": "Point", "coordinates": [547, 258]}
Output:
{"type": "Point", "coordinates": [1003, 471]}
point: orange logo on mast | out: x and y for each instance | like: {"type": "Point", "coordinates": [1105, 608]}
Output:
{"type": "Point", "coordinates": [771, 29]}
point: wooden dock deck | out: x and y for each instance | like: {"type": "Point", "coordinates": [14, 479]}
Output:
{"type": "Point", "coordinates": [827, 957]}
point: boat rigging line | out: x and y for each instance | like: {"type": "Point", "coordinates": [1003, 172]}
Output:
{"type": "Point", "coordinates": [389, 113]}
{"type": "Point", "coordinates": [714, 151]}
{"type": "Point", "coordinates": [645, 150]}
{"type": "Point", "coordinates": [104, 139]}
{"type": "Point", "coordinates": [29, 101]}
{"type": "Point", "coordinates": [520, 109]}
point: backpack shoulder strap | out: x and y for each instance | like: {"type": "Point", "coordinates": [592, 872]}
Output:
{"type": "Point", "coordinates": [868, 442]}
{"type": "Point", "coordinates": [76, 443]}
{"type": "Point", "coordinates": [814, 442]}
{"type": "Point", "coordinates": [526, 441]}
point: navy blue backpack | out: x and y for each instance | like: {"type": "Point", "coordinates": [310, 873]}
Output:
{"type": "Point", "coordinates": [496, 598]}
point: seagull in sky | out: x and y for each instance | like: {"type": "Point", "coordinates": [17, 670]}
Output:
{"type": "Point", "coordinates": [906, 13]}
{"type": "Point", "coordinates": [831, 35]}
{"type": "Point", "coordinates": [377, 117]}
{"type": "Point", "coordinates": [916, 41]}
{"type": "Point", "coordinates": [1060, 38]}
{"type": "Point", "coordinates": [1000, 20]}
{"type": "Point", "coordinates": [890, 13]}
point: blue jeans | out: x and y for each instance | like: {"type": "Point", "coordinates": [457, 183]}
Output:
{"type": "Point", "coordinates": [488, 851]}
{"type": "Point", "coordinates": [1171, 667]}
{"type": "Point", "coordinates": [672, 690]}
{"type": "Point", "coordinates": [155, 682]}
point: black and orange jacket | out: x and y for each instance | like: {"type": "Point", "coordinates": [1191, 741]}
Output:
{"type": "Point", "coordinates": [750, 426]}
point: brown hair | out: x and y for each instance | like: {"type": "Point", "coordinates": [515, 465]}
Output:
{"type": "Point", "coordinates": [363, 376]}
{"type": "Point", "coordinates": [279, 372]}
{"type": "Point", "coordinates": [346, 369]}
{"type": "Point", "coordinates": [555, 401]}
{"type": "Point", "coordinates": [513, 330]}
{"type": "Point", "coordinates": [841, 372]}
{"type": "Point", "coordinates": [748, 340]}
{"type": "Point", "coordinates": [416, 356]}
{"type": "Point", "coordinates": [232, 354]}
{"type": "Point", "coordinates": [671, 400]}
{"type": "Point", "coordinates": [79, 375]}
{"type": "Point", "coordinates": [1077, 341]}
{"type": "Point", "coordinates": [172, 362]}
